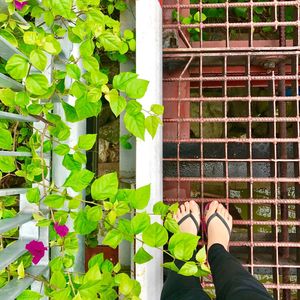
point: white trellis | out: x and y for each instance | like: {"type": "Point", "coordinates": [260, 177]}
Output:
{"type": "Point", "coordinates": [27, 226]}
{"type": "Point", "coordinates": [147, 160]}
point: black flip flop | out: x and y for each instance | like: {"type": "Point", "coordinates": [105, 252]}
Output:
{"type": "Point", "coordinates": [190, 215]}
{"type": "Point", "coordinates": [216, 214]}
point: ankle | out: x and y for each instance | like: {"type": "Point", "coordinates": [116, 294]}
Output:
{"type": "Point", "coordinates": [216, 245]}
{"type": "Point", "coordinates": [214, 252]}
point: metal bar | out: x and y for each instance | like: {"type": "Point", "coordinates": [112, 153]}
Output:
{"type": "Point", "coordinates": [10, 223]}
{"type": "Point", "coordinates": [236, 47]}
{"type": "Point", "coordinates": [240, 52]}
{"type": "Point", "coordinates": [7, 50]}
{"type": "Point", "coordinates": [19, 18]}
{"type": "Point", "coordinates": [232, 179]}
{"type": "Point", "coordinates": [274, 286]}
{"type": "Point", "coordinates": [275, 222]}
{"type": "Point", "coordinates": [15, 153]}
{"type": "Point", "coordinates": [235, 119]}
{"type": "Point", "coordinates": [12, 191]}
{"type": "Point", "coordinates": [237, 140]}
{"type": "Point", "coordinates": [16, 117]}
{"type": "Point", "coordinates": [16, 286]}
{"type": "Point", "coordinates": [231, 159]}
{"type": "Point", "coordinates": [273, 173]}
{"type": "Point", "coordinates": [236, 78]}
{"type": "Point", "coordinates": [233, 25]}
{"type": "Point", "coordinates": [283, 154]}
{"type": "Point", "coordinates": [7, 82]}
{"type": "Point", "coordinates": [12, 252]}
{"type": "Point", "coordinates": [234, 99]}
{"type": "Point", "coordinates": [283, 286]}
{"type": "Point", "coordinates": [235, 201]}
{"type": "Point", "coordinates": [260, 265]}
{"type": "Point", "coordinates": [296, 147]}
{"type": "Point", "coordinates": [233, 4]}
{"type": "Point", "coordinates": [264, 244]}
{"type": "Point", "coordinates": [250, 164]}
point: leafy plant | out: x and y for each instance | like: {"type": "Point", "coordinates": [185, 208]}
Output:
{"type": "Point", "coordinates": [46, 71]}
{"type": "Point", "coordinates": [237, 14]}
{"type": "Point", "coordinates": [194, 18]}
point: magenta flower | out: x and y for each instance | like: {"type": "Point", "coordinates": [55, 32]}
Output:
{"type": "Point", "coordinates": [61, 230]}
{"type": "Point", "coordinates": [37, 250]}
{"type": "Point", "coordinates": [19, 5]}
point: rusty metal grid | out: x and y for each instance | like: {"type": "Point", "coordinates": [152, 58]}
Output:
{"type": "Point", "coordinates": [231, 24]}
{"type": "Point", "coordinates": [232, 132]}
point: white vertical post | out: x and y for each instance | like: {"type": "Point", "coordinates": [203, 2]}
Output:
{"type": "Point", "coordinates": [149, 152]}
{"type": "Point", "coordinates": [59, 172]}
{"type": "Point", "coordinates": [127, 157]}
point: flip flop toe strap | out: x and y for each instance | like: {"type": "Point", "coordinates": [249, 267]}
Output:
{"type": "Point", "coordinates": [190, 215]}
{"type": "Point", "coordinates": [216, 214]}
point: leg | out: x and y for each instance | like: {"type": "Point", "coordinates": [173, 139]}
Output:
{"type": "Point", "coordinates": [179, 287]}
{"type": "Point", "coordinates": [232, 281]}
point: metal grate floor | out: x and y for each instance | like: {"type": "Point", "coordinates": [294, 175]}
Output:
{"type": "Point", "coordinates": [231, 126]}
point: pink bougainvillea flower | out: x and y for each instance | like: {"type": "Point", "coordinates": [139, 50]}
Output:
{"type": "Point", "coordinates": [37, 250]}
{"type": "Point", "coordinates": [19, 5]}
{"type": "Point", "coordinates": [61, 230]}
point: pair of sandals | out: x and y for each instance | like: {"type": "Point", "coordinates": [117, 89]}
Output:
{"type": "Point", "coordinates": [205, 224]}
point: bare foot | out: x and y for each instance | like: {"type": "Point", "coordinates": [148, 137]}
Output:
{"type": "Point", "coordinates": [217, 231]}
{"type": "Point", "coordinates": [188, 225]}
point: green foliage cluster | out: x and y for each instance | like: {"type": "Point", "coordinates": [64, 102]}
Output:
{"type": "Point", "coordinates": [238, 14]}
{"type": "Point", "coordinates": [47, 72]}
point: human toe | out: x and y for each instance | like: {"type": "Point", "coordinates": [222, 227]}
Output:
{"type": "Point", "coordinates": [211, 209]}
{"type": "Point", "coordinates": [180, 212]}
{"type": "Point", "coordinates": [182, 209]}
{"type": "Point", "coordinates": [177, 214]}
{"type": "Point", "coordinates": [194, 207]}
{"type": "Point", "coordinates": [221, 210]}
{"type": "Point", "coordinates": [187, 206]}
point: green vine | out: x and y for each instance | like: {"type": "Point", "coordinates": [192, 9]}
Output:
{"type": "Point", "coordinates": [86, 76]}
{"type": "Point", "coordinates": [261, 14]}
